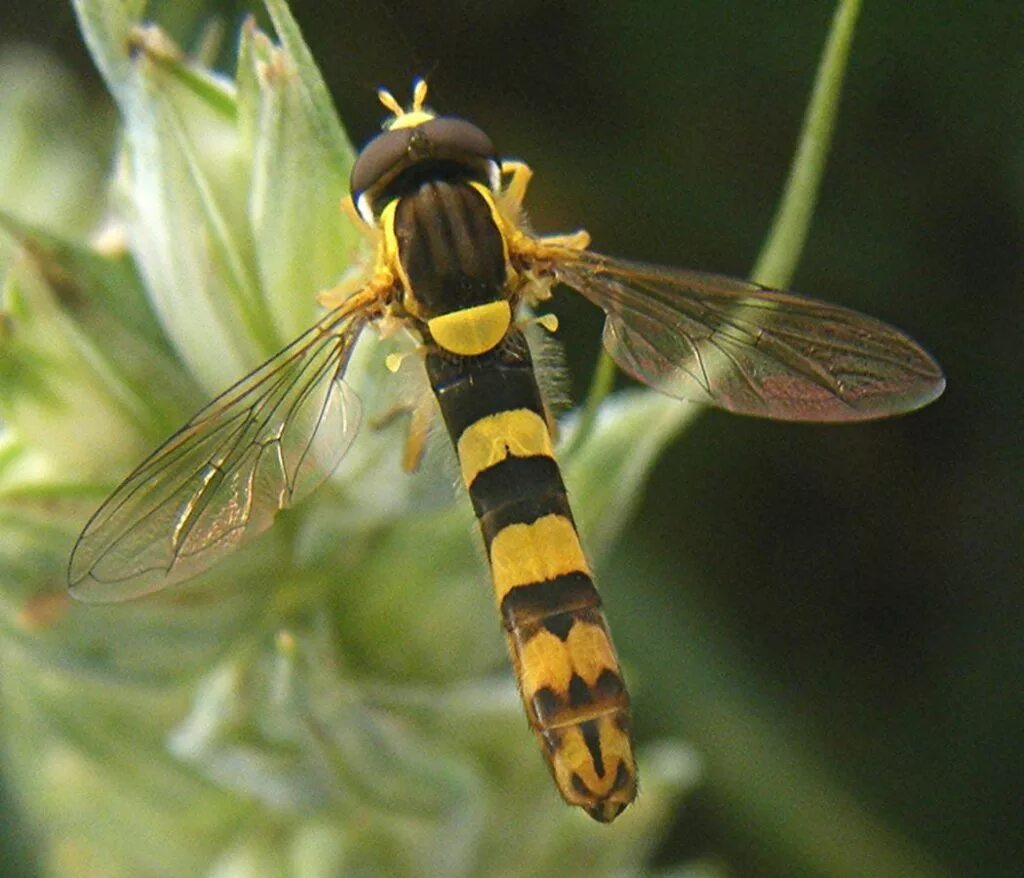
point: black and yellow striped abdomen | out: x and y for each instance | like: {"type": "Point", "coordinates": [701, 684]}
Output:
{"type": "Point", "coordinates": [568, 672]}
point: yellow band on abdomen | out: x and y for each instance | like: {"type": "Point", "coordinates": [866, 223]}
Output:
{"type": "Point", "coordinates": [515, 433]}
{"type": "Point", "coordinates": [522, 554]}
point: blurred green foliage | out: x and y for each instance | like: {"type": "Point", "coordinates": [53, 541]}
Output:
{"type": "Point", "coordinates": [832, 616]}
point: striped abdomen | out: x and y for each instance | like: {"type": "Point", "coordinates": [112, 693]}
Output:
{"type": "Point", "coordinates": [558, 639]}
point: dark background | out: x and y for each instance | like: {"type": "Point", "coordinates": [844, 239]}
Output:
{"type": "Point", "coordinates": [831, 615]}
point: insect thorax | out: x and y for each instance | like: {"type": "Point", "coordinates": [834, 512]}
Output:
{"type": "Point", "coordinates": [449, 247]}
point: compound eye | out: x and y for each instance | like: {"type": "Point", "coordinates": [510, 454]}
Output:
{"type": "Point", "coordinates": [451, 147]}
{"type": "Point", "coordinates": [456, 139]}
{"type": "Point", "coordinates": [379, 159]}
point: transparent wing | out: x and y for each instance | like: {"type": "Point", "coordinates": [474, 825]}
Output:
{"type": "Point", "coordinates": [259, 447]}
{"type": "Point", "coordinates": [748, 349]}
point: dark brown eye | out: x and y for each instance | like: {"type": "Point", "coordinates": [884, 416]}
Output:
{"type": "Point", "coordinates": [447, 145]}
{"type": "Point", "coordinates": [382, 154]}
{"type": "Point", "coordinates": [452, 138]}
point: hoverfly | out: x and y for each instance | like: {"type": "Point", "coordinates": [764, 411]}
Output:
{"type": "Point", "coordinates": [454, 265]}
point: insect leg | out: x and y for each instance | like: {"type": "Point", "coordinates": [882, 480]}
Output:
{"type": "Point", "coordinates": [515, 192]}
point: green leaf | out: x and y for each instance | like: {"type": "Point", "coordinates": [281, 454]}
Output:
{"type": "Point", "coordinates": [312, 89]}
{"type": "Point", "coordinates": [299, 177]}
{"type": "Point", "coordinates": [112, 352]}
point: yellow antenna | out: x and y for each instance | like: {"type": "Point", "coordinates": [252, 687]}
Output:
{"type": "Point", "coordinates": [389, 102]}
{"type": "Point", "coordinates": [415, 115]}
{"type": "Point", "coordinates": [419, 93]}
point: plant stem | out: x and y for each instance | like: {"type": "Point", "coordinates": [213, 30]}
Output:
{"type": "Point", "coordinates": [782, 248]}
